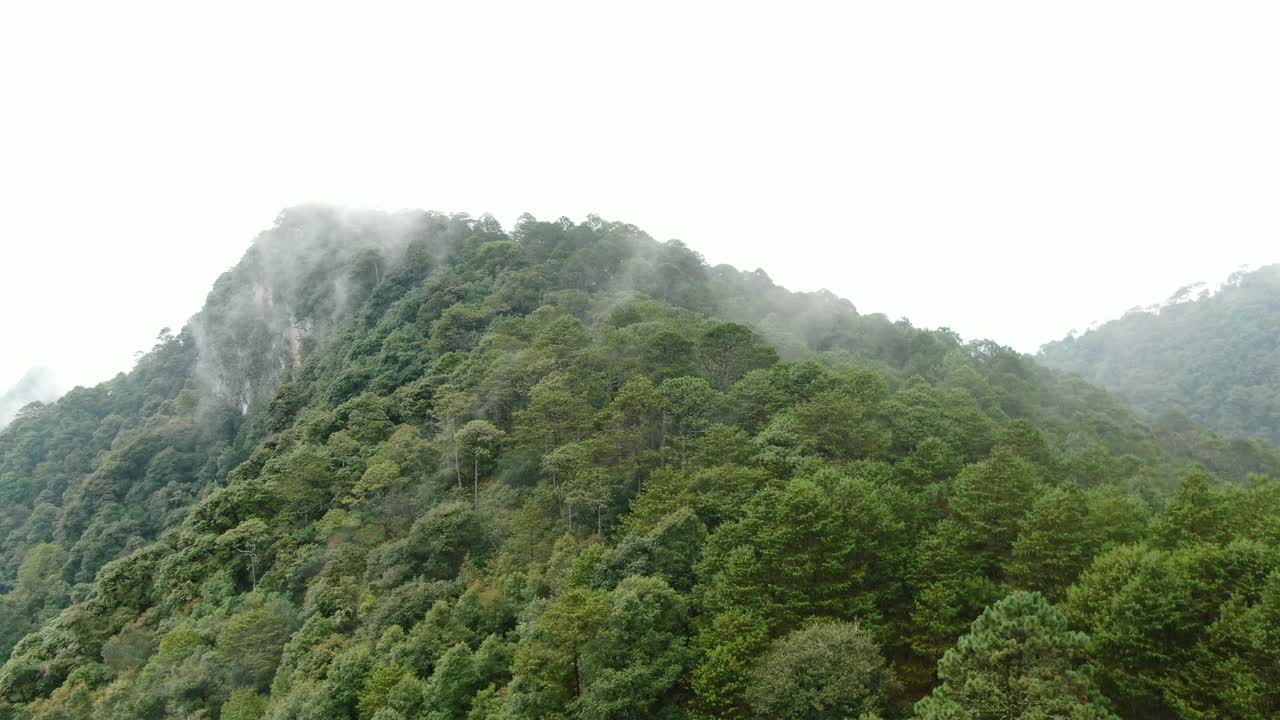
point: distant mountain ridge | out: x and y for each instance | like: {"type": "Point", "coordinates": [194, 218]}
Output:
{"type": "Point", "coordinates": [36, 385]}
{"type": "Point", "coordinates": [1212, 356]}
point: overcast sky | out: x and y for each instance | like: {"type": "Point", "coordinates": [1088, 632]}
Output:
{"type": "Point", "coordinates": [1011, 170]}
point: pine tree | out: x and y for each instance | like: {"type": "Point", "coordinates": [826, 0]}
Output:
{"type": "Point", "coordinates": [1019, 660]}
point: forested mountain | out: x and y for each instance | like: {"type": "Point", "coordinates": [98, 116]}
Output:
{"type": "Point", "coordinates": [1212, 357]}
{"type": "Point", "coordinates": [416, 467]}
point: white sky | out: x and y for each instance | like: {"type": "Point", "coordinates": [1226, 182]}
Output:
{"type": "Point", "coordinates": [1012, 170]}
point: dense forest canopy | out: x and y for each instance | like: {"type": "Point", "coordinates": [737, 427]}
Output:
{"type": "Point", "coordinates": [414, 466]}
{"type": "Point", "coordinates": [1212, 357]}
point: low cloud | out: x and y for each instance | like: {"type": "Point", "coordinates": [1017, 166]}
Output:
{"type": "Point", "coordinates": [37, 385]}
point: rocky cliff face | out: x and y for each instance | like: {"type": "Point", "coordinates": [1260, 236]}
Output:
{"type": "Point", "coordinates": [297, 280]}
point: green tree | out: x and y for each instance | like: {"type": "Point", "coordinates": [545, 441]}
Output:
{"type": "Point", "coordinates": [480, 441]}
{"type": "Point", "coordinates": [457, 329]}
{"type": "Point", "coordinates": [244, 704]}
{"type": "Point", "coordinates": [827, 670]}
{"type": "Point", "coordinates": [726, 650]}
{"type": "Point", "coordinates": [988, 501]}
{"type": "Point", "coordinates": [729, 350]}
{"type": "Point", "coordinates": [1197, 512]}
{"type": "Point", "coordinates": [792, 555]}
{"type": "Point", "coordinates": [376, 694]}
{"type": "Point", "coordinates": [563, 463]}
{"type": "Point", "coordinates": [933, 460]}
{"type": "Point", "coordinates": [380, 490]}
{"type": "Point", "coordinates": [690, 404]}
{"type": "Point", "coordinates": [309, 700]}
{"type": "Point", "coordinates": [252, 641]}
{"type": "Point", "coordinates": [1146, 610]}
{"type": "Point", "coordinates": [941, 612]}
{"type": "Point", "coordinates": [592, 489]}
{"type": "Point", "coordinates": [717, 495]}
{"type": "Point", "coordinates": [669, 552]}
{"type": "Point", "coordinates": [555, 416]}
{"type": "Point", "coordinates": [549, 671]}
{"type": "Point", "coordinates": [249, 540]}
{"type": "Point", "coordinates": [633, 421]}
{"type": "Point", "coordinates": [844, 423]}
{"type": "Point", "coordinates": [1019, 660]}
{"type": "Point", "coordinates": [1236, 668]}
{"type": "Point", "coordinates": [452, 685]}
{"type": "Point", "coordinates": [637, 656]}
{"type": "Point", "coordinates": [39, 577]}
{"type": "Point", "coordinates": [1055, 544]}
{"type": "Point", "coordinates": [129, 649]}
{"type": "Point", "coordinates": [440, 540]}
{"type": "Point", "coordinates": [305, 482]}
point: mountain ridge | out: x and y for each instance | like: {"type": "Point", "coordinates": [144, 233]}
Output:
{"type": "Point", "coordinates": [1214, 358]}
{"type": "Point", "coordinates": [413, 465]}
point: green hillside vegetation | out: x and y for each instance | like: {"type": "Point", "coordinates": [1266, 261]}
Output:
{"type": "Point", "coordinates": [1214, 358]}
{"type": "Point", "coordinates": [415, 467]}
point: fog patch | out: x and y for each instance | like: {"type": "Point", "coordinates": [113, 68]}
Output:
{"type": "Point", "coordinates": [298, 280]}
{"type": "Point", "coordinates": [37, 385]}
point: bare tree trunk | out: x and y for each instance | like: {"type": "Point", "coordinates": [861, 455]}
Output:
{"type": "Point", "coordinates": [662, 443]}
{"type": "Point", "coordinates": [475, 468]}
{"type": "Point", "coordinates": [457, 463]}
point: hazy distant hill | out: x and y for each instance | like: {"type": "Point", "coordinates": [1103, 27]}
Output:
{"type": "Point", "coordinates": [37, 385]}
{"type": "Point", "coordinates": [1214, 357]}
{"type": "Point", "coordinates": [417, 466]}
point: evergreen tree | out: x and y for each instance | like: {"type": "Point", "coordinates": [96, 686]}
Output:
{"type": "Point", "coordinates": [1019, 660]}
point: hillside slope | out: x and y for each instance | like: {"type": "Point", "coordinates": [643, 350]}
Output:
{"type": "Point", "coordinates": [1214, 358]}
{"type": "Point", "coordinates": [413, 466]}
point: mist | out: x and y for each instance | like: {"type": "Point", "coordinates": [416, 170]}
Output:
{"type": "Point", "coordinates": [37, 385]}
{"type": "Point", "coordinates": [976, 171]}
